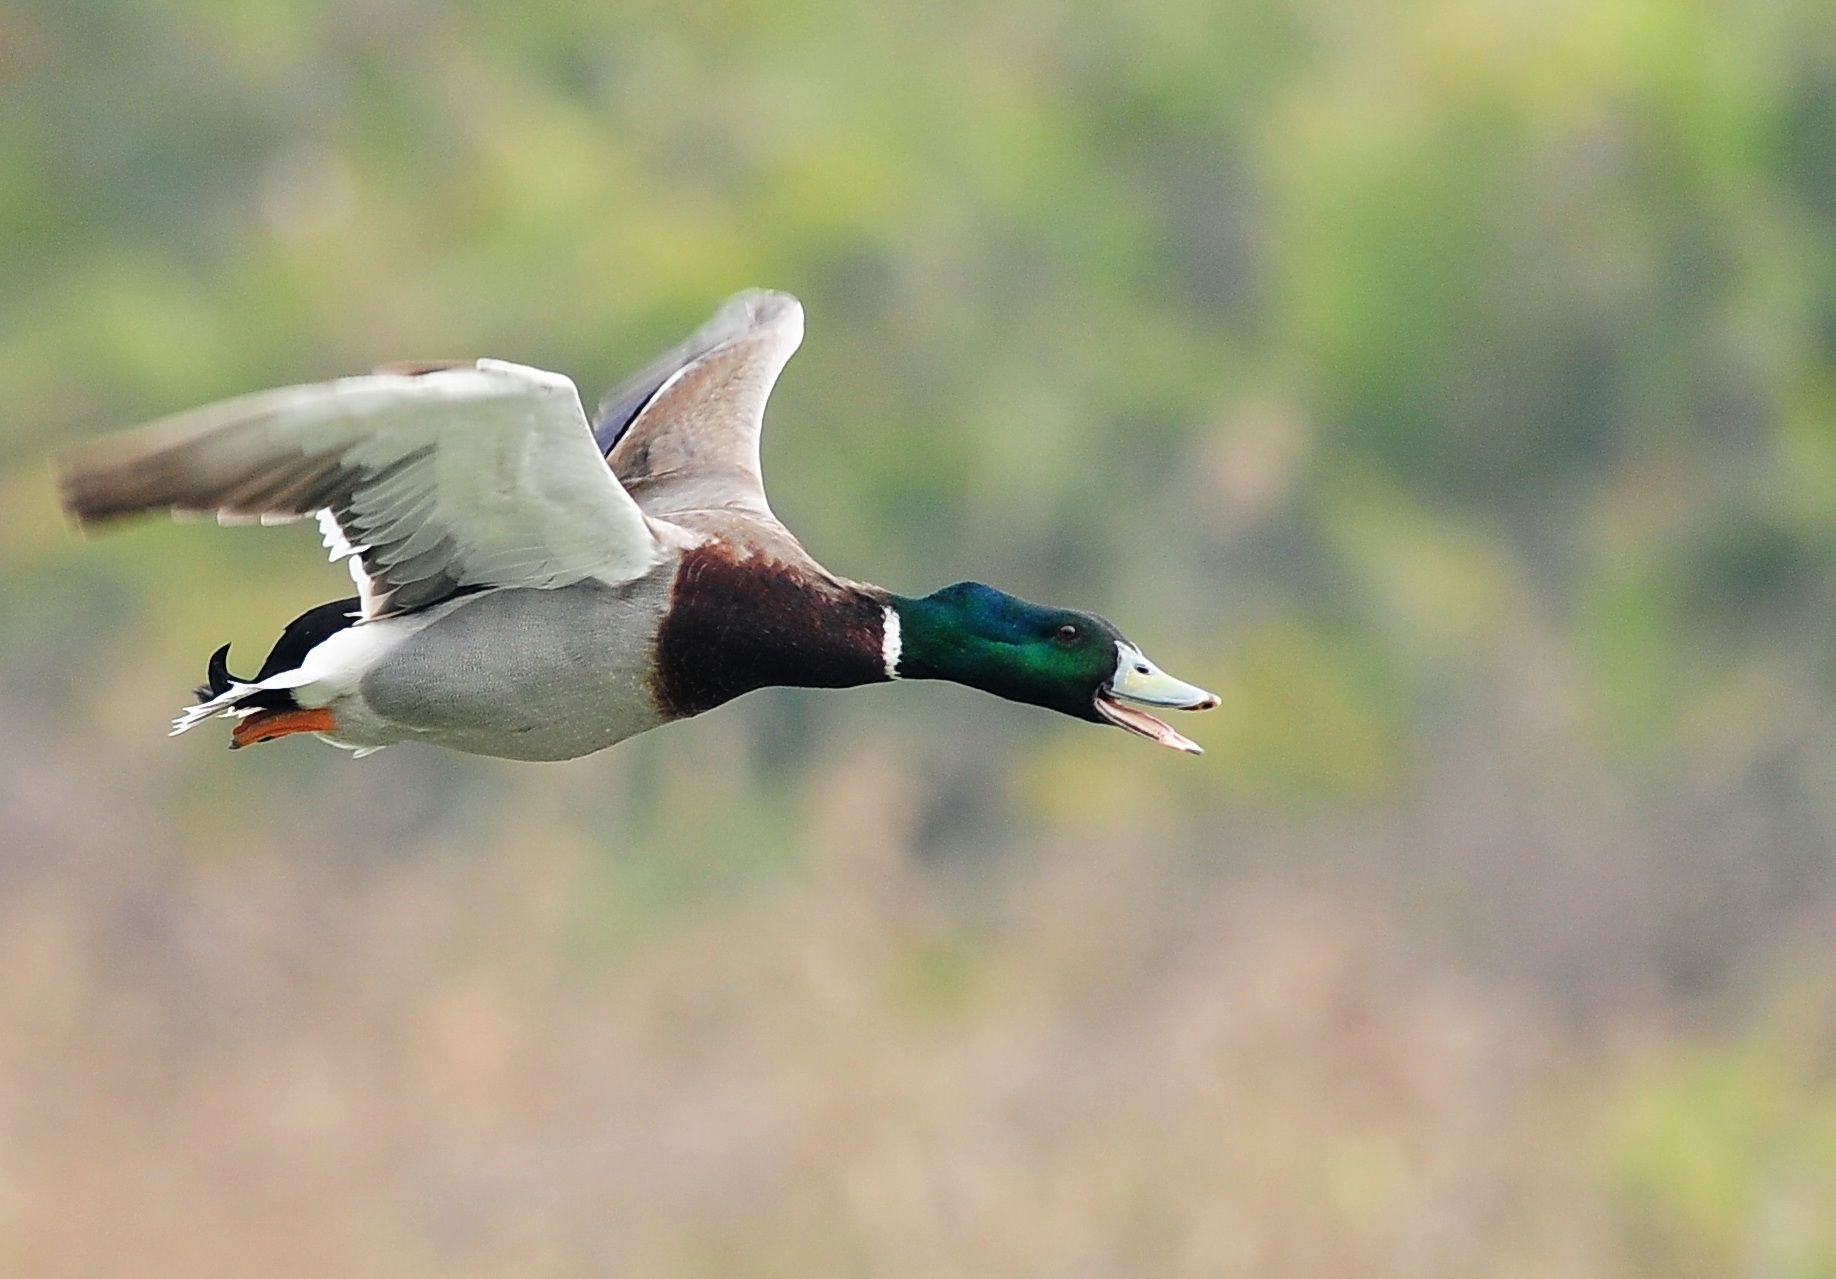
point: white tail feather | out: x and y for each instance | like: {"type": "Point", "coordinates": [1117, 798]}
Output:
{"type": "Point", "coordinates": [222, 703]}
{"type": "Point", "coordinates": [198, 712]}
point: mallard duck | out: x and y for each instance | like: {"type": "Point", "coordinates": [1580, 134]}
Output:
{"type": "Point", "coordinates": [534, 585]}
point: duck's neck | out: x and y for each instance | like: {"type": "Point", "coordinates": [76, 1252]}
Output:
{"type": "Point", "coordinates": [737, 624]}
{"type": "Point", "coordinates": [921, 640]}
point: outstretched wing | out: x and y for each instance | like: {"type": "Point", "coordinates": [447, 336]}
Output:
{"type": "Point", "coordinates": [684, 433]}
{"type": "Point", "coordinates": [462, 476]}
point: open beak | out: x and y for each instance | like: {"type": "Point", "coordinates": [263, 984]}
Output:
{"type": "Point", "coordinates": [1137, 683]}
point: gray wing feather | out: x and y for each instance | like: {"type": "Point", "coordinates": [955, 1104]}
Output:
{"type": "Point", "coordinates": [481, 475]}
{"type": "Point", "coordinates": [684, 433]}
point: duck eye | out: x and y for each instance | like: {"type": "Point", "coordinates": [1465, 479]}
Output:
{"type": "Point", "coordinates": [1067, 633]}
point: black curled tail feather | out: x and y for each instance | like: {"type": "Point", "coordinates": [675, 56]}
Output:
{"type": "Point", "coordinates": [217, 677]}
{"type": "Point", "coordinates": [218, 680]}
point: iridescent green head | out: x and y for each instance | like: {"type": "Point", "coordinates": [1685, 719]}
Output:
{"type": "Point", "coordinates": [1075, 663]}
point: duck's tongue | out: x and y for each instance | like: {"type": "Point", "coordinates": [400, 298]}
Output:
{"type": "Point", "coordinates": [1138, 721]}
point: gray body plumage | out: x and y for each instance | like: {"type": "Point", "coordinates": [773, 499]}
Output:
{"type": "Point", "coordinates": [519, 674]}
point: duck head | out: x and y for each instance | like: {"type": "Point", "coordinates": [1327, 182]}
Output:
{"type": "Point", "coordinates": [1075, 663]}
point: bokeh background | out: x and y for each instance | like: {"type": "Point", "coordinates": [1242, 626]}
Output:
{"type": "Point", "coordinates": [1449, 384]}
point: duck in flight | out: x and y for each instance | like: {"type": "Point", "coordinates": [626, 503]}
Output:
{"type": "Point", "coordinates": [535, 585]}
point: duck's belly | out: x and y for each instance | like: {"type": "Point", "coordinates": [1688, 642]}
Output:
{"type": "Point", "coordinates": [525, 674]}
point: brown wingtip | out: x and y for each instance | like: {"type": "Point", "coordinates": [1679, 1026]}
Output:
{"type": "Point", "coordinates": [81, 494]}
{"type": "Point", "coordinates": [67, 504]}
{"type": "Point", "coordinates": [93, 487]}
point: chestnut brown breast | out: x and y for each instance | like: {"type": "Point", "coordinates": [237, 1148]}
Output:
{"type": "Point", "coordinates": [738, 621]}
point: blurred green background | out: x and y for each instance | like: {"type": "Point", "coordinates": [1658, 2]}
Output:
{"type": "Point", "coordinates": [1451, 385]}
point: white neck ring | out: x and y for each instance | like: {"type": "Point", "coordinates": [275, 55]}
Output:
{"type": "Point", "coordinates": [889, 642]}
